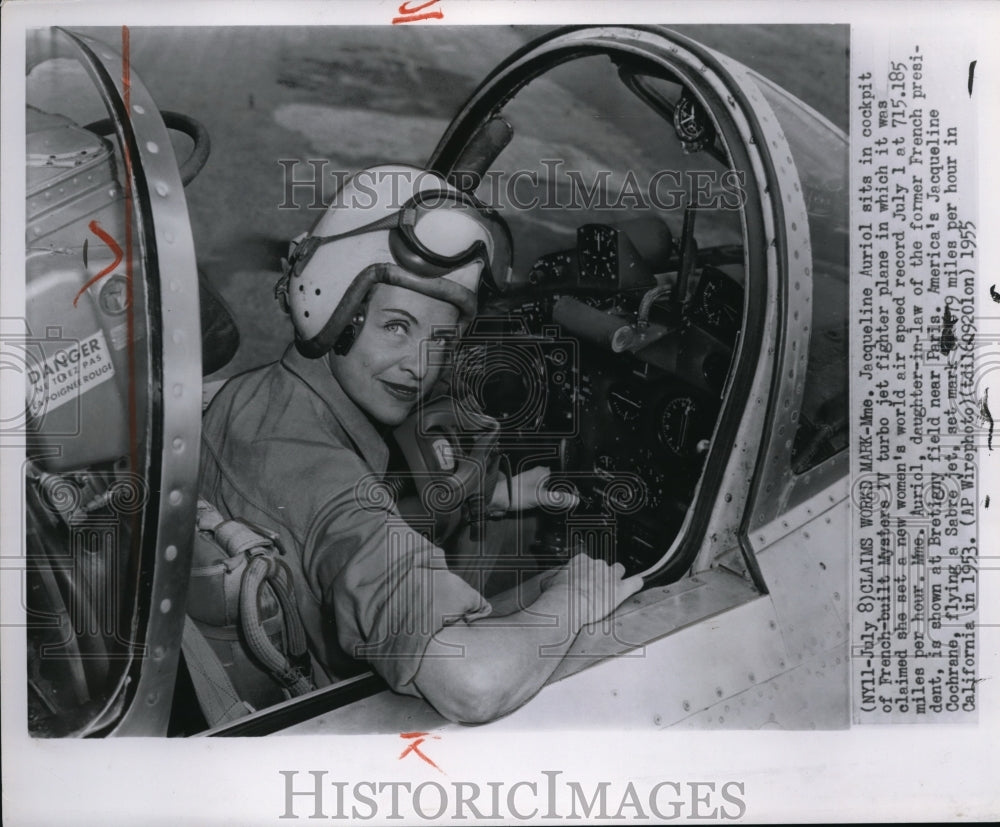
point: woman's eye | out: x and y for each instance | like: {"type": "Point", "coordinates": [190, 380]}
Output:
{"type": "Point", "coordinates": [399, 328]}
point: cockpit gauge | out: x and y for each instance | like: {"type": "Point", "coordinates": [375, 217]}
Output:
{"type": "Point", "coordinates": [550, 269]}
{"type": "Point", "coordinates": [597, 249]}
{"type": "Point", "coordinates": [606, 257]}
{"type": "Point", "coordinates": [718, 303]}
{"type": "Point", "coordinates": [692, 124]}
{"type": "Point", "coordinates": [713, 305]}
{"type": "Point", "coordinates": [623, 405]}
{"type": "Point", "coordinates": [677, 426]}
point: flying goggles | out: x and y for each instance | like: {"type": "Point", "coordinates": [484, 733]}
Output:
{"type": "Point", "coordinates": [412, 248]}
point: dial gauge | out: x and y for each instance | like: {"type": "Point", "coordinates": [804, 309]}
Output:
{"type": "Point", "coordinates": [712, 303]}
{"type": "Point", "coordinates": [623, 406]}
{"type": "Point", "coordinates": [598, 253]}
{"type": "Point", "coordinates": [692, 124]}
{"type": "Point", "coordinates": [717, 307]}
{"type": "Point", "coordinates": [678, 425]}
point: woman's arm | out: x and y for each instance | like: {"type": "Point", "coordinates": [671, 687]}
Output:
{"type": "Point", "coordinates": [476, 672]}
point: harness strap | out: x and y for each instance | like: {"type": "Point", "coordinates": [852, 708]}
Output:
{"type": "Point", "coordinates": [216, 694]}
{"type": "Point", "coordinates": [236, 537]}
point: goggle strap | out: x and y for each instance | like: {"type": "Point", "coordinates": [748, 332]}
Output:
{"type": "Point", "coordinates": [307, 248]}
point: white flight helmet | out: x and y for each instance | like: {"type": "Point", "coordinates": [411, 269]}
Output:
{"type": "Point", "coordinates": [390, 224]}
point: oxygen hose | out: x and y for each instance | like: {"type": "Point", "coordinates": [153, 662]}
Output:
{"type": "Point", "coordinates": [263, 570]}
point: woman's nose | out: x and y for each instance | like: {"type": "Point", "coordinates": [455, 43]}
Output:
{"type": "Point", "coordinates": [414, 362]}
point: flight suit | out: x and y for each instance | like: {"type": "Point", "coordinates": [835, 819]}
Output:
{"type": "Point", "coordinates": [285, 448]}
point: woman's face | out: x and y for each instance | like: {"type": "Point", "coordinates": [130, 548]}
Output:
{"type": "Point", "coordinates": [386, 370]}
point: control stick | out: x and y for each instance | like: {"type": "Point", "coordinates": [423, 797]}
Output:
{"type": "Point", "coordinates": [551, 540]}
{"type": "Point", "coordinates": [687, 257]}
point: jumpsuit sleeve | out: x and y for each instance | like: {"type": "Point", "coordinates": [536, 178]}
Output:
{"type": "Point", "coordinates": [388, 587]}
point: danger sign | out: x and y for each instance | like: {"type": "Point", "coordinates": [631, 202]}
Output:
{"type": "Point", "coordinates": [69, 373]}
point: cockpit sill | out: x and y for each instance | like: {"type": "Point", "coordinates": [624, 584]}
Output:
{"type": "Point", "coordinates": [357, 705]}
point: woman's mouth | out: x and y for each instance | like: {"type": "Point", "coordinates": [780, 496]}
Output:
{"type": "Point", "coordinates": [404, 393]}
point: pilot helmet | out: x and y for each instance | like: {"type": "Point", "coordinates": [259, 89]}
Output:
{"type": "Point", "coordinates": [390, 224]}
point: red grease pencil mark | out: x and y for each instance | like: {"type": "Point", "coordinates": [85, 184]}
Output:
{"type": "Point", "coordinates": [129, 275]}
{"type": "Point", "coordinates": [415, 747]}
{"type": "Point", "coordinates": [102, 234]}
{"type": "Point", "coordinates": [409, 15]}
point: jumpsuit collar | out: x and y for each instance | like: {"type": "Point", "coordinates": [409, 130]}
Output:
{"type": "Point", "coordinates": [360, 430]}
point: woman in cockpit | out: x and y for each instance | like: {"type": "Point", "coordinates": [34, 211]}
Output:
{"type": "Point", "coordinates": [396, 262]}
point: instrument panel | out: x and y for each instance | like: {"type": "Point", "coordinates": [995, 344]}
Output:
{"type": "Point", "coordinates": [627, 427]}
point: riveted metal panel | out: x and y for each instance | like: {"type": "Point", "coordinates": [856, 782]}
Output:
{"type": "Point", "coordinates": [806, 575]}
{"type": "Point", "coordinates": [734, 651]}
{"type": "Point", "coordinates": [803, 557]}
{"type": "Point", "coordinates": [825, 475]}
{"type": "Point", "coordinates": [813, 695]}
{"type": "Point", "coordinates": [805, 512]}
{"type": "Point", "coordinates": [791, 241]}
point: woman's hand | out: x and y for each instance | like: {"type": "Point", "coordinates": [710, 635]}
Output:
{"type": "Point", "coordinates": [529, 489]}
{"type": "Point", "coordinates": [595, 589]}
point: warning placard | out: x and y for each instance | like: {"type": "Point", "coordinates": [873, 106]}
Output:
{"type": "Point", "coordinates": [69, 373]}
